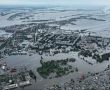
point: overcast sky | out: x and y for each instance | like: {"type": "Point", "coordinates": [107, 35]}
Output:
{"type": "Point", "coordinates": [56, 2]}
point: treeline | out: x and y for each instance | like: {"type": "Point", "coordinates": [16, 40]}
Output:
{"type": "Point", "coordinates": [96, 56]}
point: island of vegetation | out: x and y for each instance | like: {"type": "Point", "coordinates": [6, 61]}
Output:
{"type": "Point", "coordinates": [54, 69]}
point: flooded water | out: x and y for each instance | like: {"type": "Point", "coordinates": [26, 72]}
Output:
{"type": "Point", "coordinates": [34, 61]}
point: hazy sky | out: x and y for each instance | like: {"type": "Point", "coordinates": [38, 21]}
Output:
{"type": "Point", "coordinates": [56, 2]}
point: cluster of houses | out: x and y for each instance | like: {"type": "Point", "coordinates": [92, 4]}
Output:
{"type": "Point", "coordinates": [11, 78]}
{"type": "Point", "coordinates": [93, 42]}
